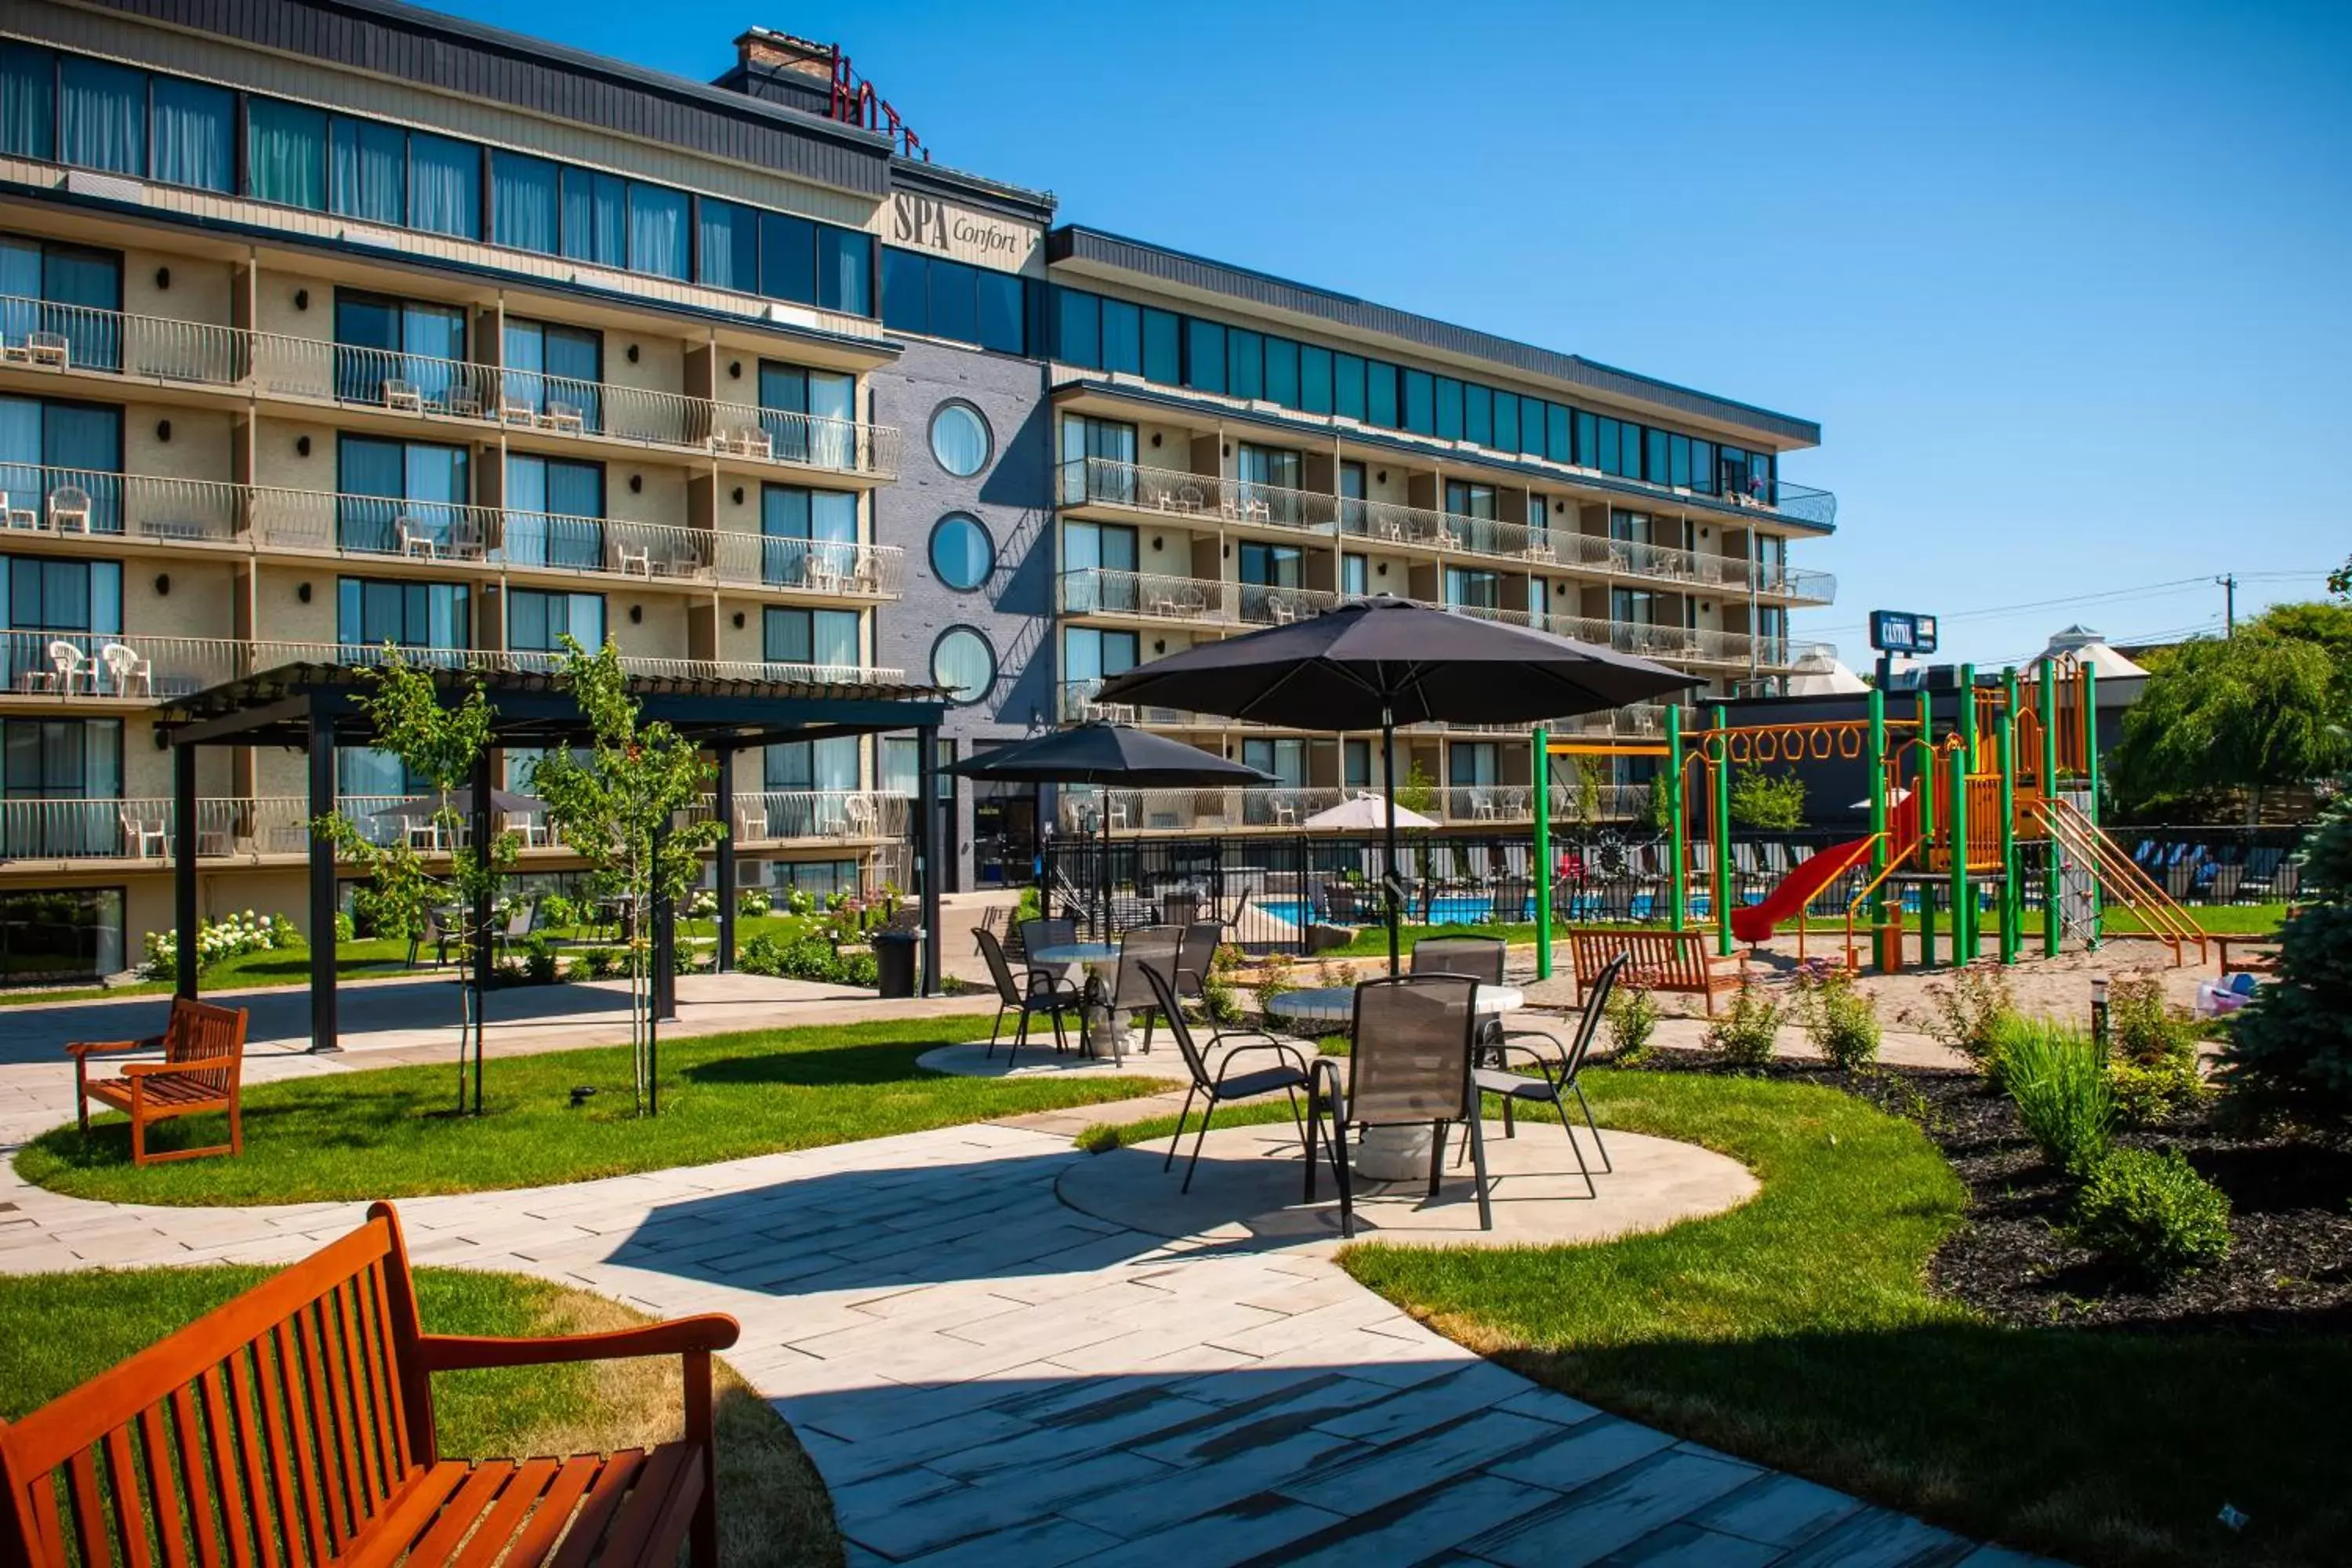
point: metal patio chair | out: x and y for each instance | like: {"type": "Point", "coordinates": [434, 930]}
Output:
{"type": "Point", "coordinates": [1141, 948]}
{"type": "Point", "coordinates": [1410, 1067]}
{"type": "Point", "coordinates": [1220, 1087]}
{"type": "Point", "coordinates": [1026, 994]}
{"type": "Point", "coordinates": [1552, 1087]}
{"type": "Point", "coordinates": [1194, 954]}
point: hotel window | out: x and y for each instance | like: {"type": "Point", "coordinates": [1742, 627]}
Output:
{"type": "Point", "coordinates": [1077, 329]}
{"type": "Point", "coordinates": [1270, 565]}
{"type": "Point", "coordinates": [62, 760]}
{"type": "Point", "coordinates": [728, 245]}
{"type": "Point", "coordinates": [1348, 385]}
{"type": "Point", "coordinates": [831, 765]}
{"type": "Point", "coordinates": [1090, 654]}
{"type": "Point", "coordinates": [658, 243]}
{"type": "Point", "coordinates": [828, 638]}
{"type": "Point", "coordinates": [102, 119]}
{"type": "Point", "coordinates": [1771, 553]}
{"type": "Point", "coordinates": [1472, 588]}
{"type": "Point", "coordinates": [1282, 372]}
{"type": "Point", "coordinates": [1163, 351]}
{"type": "Point", "coordinates": [1506, 421]}
{"type": "Point", "coordinates": [538, 622]}
{"type": "Point", "coordinates": [1638, 607]}
{"type": "Point", "coordinates": [372, 611]}
{"type": "Point", "coordinates": [1537, 422]}
{"type": "Point", "coordinates": [1098, 561]}
{"type": "Point", "coordinates": [1270, 477]}
{"type": "Point", "coordinates": [1356, 764]}
{"type": "Point", "coordinates": [1478, 415]}
{"type": "Point", "coordinates": [1353, 513]}
{"type": "Point", "coordinates": [68, 934]}
{"type": "Point", "coordinates": [1123, 337]}
{"type": "Point", "coordinates": [1380, 394]}
{"type": "Point", "coordinates": [845, 270]}
{"type": "Point", "coordinates": [1473, 764]}
{"type": "Point", "coordinates": [594, 216]}
{"type": "Point", "coordinates": [1204, 355]}
{"type": "Point", "coordinates": [809, 536]}
{"type": "Point", "coordinates": [1244, 363]}
{"type": "Point", "coordinates": [1286, 760]}
{"type": "Point", "coordinates": [1447, 423]}
{"type": "Point", "coordinates": [899, 764]}
{"type": "Point", "coordinates": [1420, 402]}
{"type": "Point", "coordinates": [556, 511]}
{"type": "Point", "coordinates": [389, 493]}
{"type": "Point", "coordinates": [46, 444]}
{"type": "Point", "coordinates": [526, 202]}
{"type": "Point", "coordinates": [1464, 499]}
{"type": "Point", "coordinates": [378, 340]}
{"type": "Point", "coordinates": [1003, 306]}
{"type": "Point", "coordinates": [1354, 582]}
{"type": "Point", "coordinates": [47, 600]}
{"type": "Point", "coordinates": [286, 154]}
{"type": "Point", "coordinates": [955, 301]}
{"type": "Point", "coordinates": [810, 416]}
{"type": "Point", "coordinates": [66, 289]}
{"type": "Point", "coordinates": [1098, 461]}
{"type": "Point", "coordinates": [1657, 462]}
{"type": "Point", "coordinates": [368, 171]}
{"type": "Point", "coordinates": [28, 102]}
{"type": "Point", "coordinates": [548, 364]}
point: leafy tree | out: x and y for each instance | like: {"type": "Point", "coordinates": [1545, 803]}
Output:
{"type": "Point", "coordinates": [2339, 582]}
{"type": "Point", "coordinates": [2257, 711]}
{"type": "Point", "coordinates": [439, 744]}
{"type": "Point", "coordinates": [1772, 801]}
{"type": "Point", "coordinates": [619, 807]}
{"type": "Point", "coordinates": [2329, 626]}
{"type": "Point", "coordinates": [2291, 1046]}
{"type": "Point", "coordinates": [1419, 791]}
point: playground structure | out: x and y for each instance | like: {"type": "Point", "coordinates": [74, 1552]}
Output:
{"type": "Point", "coordinates": [2003, 803]}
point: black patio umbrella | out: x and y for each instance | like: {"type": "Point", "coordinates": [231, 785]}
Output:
{"type": "Point", "coordinates": [1100, 753]}
{"type": "Point", "coordinates": [461, 801]}
{"type": "Point", "coordinates": [1384, 662]}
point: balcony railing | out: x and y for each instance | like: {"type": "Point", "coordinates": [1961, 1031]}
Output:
{"type": "Point", "coordinates": [38, 498]}
{"type": "Point", "coordinates": [1283, 808]}
{"type": "Point", "coordinates": [773, 816]}
{"type": "Point", "coordinates": [91, 340]}
{"type": "Point", "coordinates": [142, 828]}
{"type": "Point", "coordinates": [114, 666]}
{"type": "Point", "coordinates": [271, 654]}
{"type": "Point", "coordinates": [1100, 481]}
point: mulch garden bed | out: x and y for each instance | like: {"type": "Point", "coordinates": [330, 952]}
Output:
{"type": "Point", "coordinates": [2290, 1263]}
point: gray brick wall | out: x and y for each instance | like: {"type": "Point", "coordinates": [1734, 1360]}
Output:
{"type": "Point", "coordinates": [1012, 498]}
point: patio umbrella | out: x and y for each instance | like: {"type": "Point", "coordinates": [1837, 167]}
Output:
{"type": "Point", "coordinates": [1364, 813]}
{"type": "Point", "coordinates": [461, 801]}
{"type": "Point", "coordinates": [1102, 753]}
{"type": "Point", "coordinates": [1384, 662]}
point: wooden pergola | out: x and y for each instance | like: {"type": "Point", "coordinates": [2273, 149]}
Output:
{"type": "Point", "coordinates": [316, 708]}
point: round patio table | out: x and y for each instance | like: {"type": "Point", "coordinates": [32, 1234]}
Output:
{"type": "Point", "coordinates": [1337, 1004]}
{"type": "Point", "coordinates": [1068, 953]}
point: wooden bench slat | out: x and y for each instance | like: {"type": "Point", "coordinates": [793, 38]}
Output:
{"type": "Point", "coordinates": [189, 1477]}
{"type": "Point", "coordinates": [236, 1516]}
{"type": "Point", "coordinates": [555, 1505]}
{"type": "Point", "coordinates": [410, 1514]}
{"type": "Point", "coordinates": [464, 1509]}
{"type": "Point", "coordinates": [375, 1466]}
{"type": "Point", "coordinates": [122, 1497]}
{"type": "Point", "coordinates": [529, 1486]}
{"type": "Point", "coordinates": [162, 1489]}
{"type": "Point", "coordinates": [266, 1508]}
{"type": "Point", "coordinates": [287, 1402]}
{"type": "Point", "coordinates": [326, 1414]}
{"type": "Point", "coordinates": [603, 1499]}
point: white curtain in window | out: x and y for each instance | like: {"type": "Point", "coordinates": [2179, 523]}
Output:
{"type": "Point", "coordinates": [369, 170]}
{"type": "Point", "coordinates": [444, 186]}
{"type": "Point", "coordinates": [195, 133]}
{"type": "Point", "coordinates": [523, 201]}
{"type": "Point", "coordinates": [105, 116]}
{"type": "Point", "coordinates": [657, 231]}
{"type": "Point", "coordinates": [286, 154]}
{"type": "Point", "coordinates": [29, 117]}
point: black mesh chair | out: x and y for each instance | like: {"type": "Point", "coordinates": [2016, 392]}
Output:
{"type": "Point", "coordinates": [1556, 1076]}
{"type": "Point", "coordinates": [1479, 957]}
{"type": "Point", "coordinates": [1216, 1089]}
{"type": "Point", "coordinates": [1410, 1067]}
{"type": "Point", "coordinates": [1027, 993]}
{"type": "Point", "coordinates": [1039, 934]}
{"type": "Point", "coordinates": [1195, 953]}
{"type": "Point", "coordinates": [1156, 947]}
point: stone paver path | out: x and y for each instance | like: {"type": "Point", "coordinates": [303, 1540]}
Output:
{"type": "Point", "coordinates": [984, 1375]}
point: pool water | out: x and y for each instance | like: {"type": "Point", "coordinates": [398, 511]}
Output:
{"type": "Point", "coordinates": [1454, 909]}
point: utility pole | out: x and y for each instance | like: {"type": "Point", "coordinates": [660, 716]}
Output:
{"type": "Point", "coordinates": [2229, 603]}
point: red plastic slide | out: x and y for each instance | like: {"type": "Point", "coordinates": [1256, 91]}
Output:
{"type": "Point", "coordinates": [1754, 922]}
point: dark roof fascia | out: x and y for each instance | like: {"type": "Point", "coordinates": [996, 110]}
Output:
{"type": "Point", "coordinates": [880, 347]}
{"type": "Point", "coordinates": [1160, 264]}
{"type": "Point", "coordinates": [974, 190]}
{"type": "Point", "coordinates": [461, 52]}
{"type": "Point", "coordinates": [1373, 436]}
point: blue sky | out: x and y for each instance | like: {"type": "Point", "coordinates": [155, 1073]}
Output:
{"type": "Point", "coordinates": [2065, 286]}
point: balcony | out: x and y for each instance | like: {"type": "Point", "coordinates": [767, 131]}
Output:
{"type": "Point", "coordinates": [1174, 495]}
{"type": "Point", "coordinates": [809, 815]}
{"type": "Point", "coordinates": [160, 352]}
{"type": "Point", "coordinates": [1282, 809]}
{"type": "Point", "coordinates": [270, 654]}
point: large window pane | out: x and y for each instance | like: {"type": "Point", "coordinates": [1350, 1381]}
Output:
{"type": "Point", "coordinates": [1079, 335]}
{"type": "Point", "coordinates": [727, 245]}
{"type": "Point", "coordinates": [596, 217]}
{"type": "Point", "coordinates": [845, 270]}
{"type": "Point", "coordinates": [1448, 397]}
{"type": "Point", "coordinates": [28, 102]}
{"type": "Point", "coordinates": [286, 154]}
{"type": "Point", "coordinates": [1001, 313]}
{"type": "Point", "coordinates": [371, 171]}
{"type": "Point", "coordinates": [1244, 363]}
{"type": "Point", "coordinates": [1348, 386]}
{"type": "Point", "coordinates": [1122, 336]}
{"type": "Point", "coordinates": [1163, 354]}
{"type": "Point", "coordinates": [1420, 402]}
{"type": "Point", "coordinates": [523, 202]}
{"type": "Point", "coordinates": [905, 286]}
{"type": "Point", "coordinates": [195, 132]}
{"type": "Point", "coordinates": [788, 258]}
{"type": "Point", "coordinates": [104, 122]}
{"type": "Point", "coordinates": [1204, 355]}
{"type": "Point", "coordinates": [955, 301]}
{"type": "Point", "coordinates": [1381, 394]}
{"type": "Point", "coordinates": [1314, 379]}
{"type": "Point", "coordinates": [1478, 415]}
{"type": "Point", "coordinates": [1506, 421]}
{"type": "Point", "coordinates": [444, 186]}
{"type": "Point", "coordinates": [1282, 372]}
{"type": "Point", "coordinates": [657, 231]}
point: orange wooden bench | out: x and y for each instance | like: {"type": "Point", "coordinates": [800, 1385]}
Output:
{"type": "Point", "coordinates": [202, 1067]}
{"type": "Point", "coordinates": [1661, 961]}
{"type": "Point", "coordinates": [293, 1426]}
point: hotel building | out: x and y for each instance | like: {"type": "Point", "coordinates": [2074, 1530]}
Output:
{"type": "Point", "coordinates": [329, 325]}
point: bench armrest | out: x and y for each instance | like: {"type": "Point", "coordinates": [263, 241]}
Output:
{"type": "Point", "coordinates": [155, 1069]}
{"type": "Point", "coordinates": [111, 1048]}
{"type": "Point", "coordinates": [679, 1336]}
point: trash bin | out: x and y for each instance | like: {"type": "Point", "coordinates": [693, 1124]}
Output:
{"type": "Point", "coordinates": [895, 956]}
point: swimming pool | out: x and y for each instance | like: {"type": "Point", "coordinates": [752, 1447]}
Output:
{"type": "Point", "coordinates": [1452, 910]}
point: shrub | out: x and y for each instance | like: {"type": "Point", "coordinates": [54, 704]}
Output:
{"type": "Point", "coordinates": [1772, 801]}
{"type": "Point", "coordinates": [597, 963]}
{"type": "Point", "coordinates": [2145, 1029]}
{"type": "Point", "coordinates": [1840, 1021]}
{"type": "Point", "coordinates": [751, 903]}
{"type": "Point", "coordinates": [1219, 997]}
{"type": "Point", "coordinates": [1745, 1035]}
{"type": "Point", "coordinates": [1972, 1014]}
{"type": "Point", "coordinates": [539, 960]}
{"type": "Point", "coordinates": [557, 912]}
{"type": "Point", "coordinates": [1275, 976]}
{"type": "Point", "coordinates": [231, 936]}
{"type": "Point", "coordinates": [2152, 1213]}
{"type": "Point", "coordinates": [799, 902]}
{"type": "Point", "coordinates": [702, 904]}
{"type": "Point", "coordinates": [761, 955]}
{"type": "Point", "coordinates": [2291, 1048]}
{"type": "Point", "coordinates": [2145, 1095]}
{"type": "Point", "coordinates": [346, 928]}
{"type": "Point", "coordinates": [1632, 1015]}
{"type": "Point", "coordinates": [2058, 1078]}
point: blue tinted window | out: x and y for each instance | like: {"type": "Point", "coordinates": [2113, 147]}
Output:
{"type": "Point", "coordinates": [1478, 415]}
{"type": "Point", "coordinates": [104, 118]}
{"type": "Point", "coordinates": [369, 176]}
{"type": "Point", "coordinates": [1204, 355]}
{"type": "Point", "coordinates": [445, 189]}
{"type": "Point", "coordinates": [1314, 379]}
{"type": "Point", "coordinates": [788, 258]}
{"type": "Point", "coordinates": [1122, 336]}
{"type": "Point", "coordinates": [1449, 408]}
{"type": "Point", "coordinates": [28, 102]}
{"type": "Point", "coordinates": [1506, 421]}
{"type": "Point", "coordinates": [1534, 419]}
{"type": "Point", "coordinates": [194, 127]}
{"type": "Point", "coordinates": [1079, 336]}
{"type": "Point", "coordinates": [657, 231]}
{"type": "Point", "coordinates": [962, 554]}
{"type": "Point", "coordinates": [1246, 360]}
{"type": "Point", "coordinates": [1703, 478]}
{"type": "Point", "coordinates": [845, 270]}
{"type": "Point", "coordinates": [1282, 372]}
{"type": "Point", "coordinates": [1679, 462]}
{"type": "Point", "coordinates": [955, 301]}
{"type": "Point", "coordinates": [1609, 461]}
{"type": "Point", "coordinates": [906, 290]}
{"type": "Point", "coordinates": [286, 154]}
{"type": "Point", "coordinates": [1653, 458]}
{"type": "Point", "coordinates": [1348, 386]}
{"type": "Point", "coordinates": [1420, 402]}
{"type": "Point", "coordinates": [1629, 458]}
{"type": "Point", "coordinates": [1001, 313]}
{"type": "Point", "coordinates": [1588, 441]}
{"type": "Point", "coordinates": [596, 217]}
{"type": "Point", "coordinates": [1163, 354]}
{"type": "Point", "coordinates": [727, 246]}
{"type": "Point", "coordinates": [1381, 394]}
{"type": "Point", "coordinates": [525, 203]}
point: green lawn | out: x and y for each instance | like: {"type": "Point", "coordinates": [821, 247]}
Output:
{"type": "Point", "coordinates": [1798, 1332]}
{"type": "Point", "coordinates": [389, 1132]}
{"type": "Point", "coordinates": [59, 1331]}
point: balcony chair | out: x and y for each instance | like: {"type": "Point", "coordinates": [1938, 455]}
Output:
{"type": "Point", "coordinates": [19, 516]}
{"type": "Point", "coordinates": [414, 542]}
{"type": "Point", "coordinates": [70, 666]}
{"type": "Point", "coordinates": [523, 825]}
{"type": "Point", "coordinates": [126, 671]}
{"type": "Point", "coordinates": [633, 559]}
{"type": "Point", "coordinates": [751, 825]}
{"type": "Point", "coordinates": [69, 510]}
{"type": "Point", "coordinates": [859, 819]}
{"type": "Point", "coordinates": [520, 412]}
{"type": "Point", "coordinates": [562, 417]}
{"type": "Point", "coordinates": [1285, 811]}
{"type": "Point", "coordinates": [401, 397]}
{"type": "Point", "coordinates": [140, 831]}
{"type": "Point", "coordinates": [51, 349]}
{"type": "Point", "coordinates": [18, 352]}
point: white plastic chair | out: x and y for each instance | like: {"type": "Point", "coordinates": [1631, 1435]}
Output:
{"type": "Point", "coordinates": [71, 666]}
{"type": "Point", "coordinates": [144, 831]}
{"type": "Point", "coordinates": [403, 395]}
{"type": "Point", "coordinates": [125, 669]}
{"type": "Point", "coordinates": [51, 349]}
{"type": "Point", "coordinates": [751, 825]}
{"type": "Point", "coordinates": [19, 516]}
{"type": "Point", "coordinates": [70, 509]}
{"type": "Point", "coordinates": [413, 542]}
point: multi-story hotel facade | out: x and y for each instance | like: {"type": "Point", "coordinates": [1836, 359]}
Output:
{"type": "Point", "coordinates": [329, 325]}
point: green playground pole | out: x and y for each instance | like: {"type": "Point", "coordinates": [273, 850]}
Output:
{"type": "Point", "coordinates": [1923, 787]}
{"type": "Point", "coordinates": [1677, 889]}
{"type": "Point", "coordinates": [1543, 854]}
{"type": "Point", "coordinates": [1967, 916]}
{"type": "Point", "coordinates": [2052, 926]}
{"type": "Point", "coordinates": [2004, 747]}
{"type": "Point", "coordinates": [2091, 768]}
{"type": "Point", "coordinates": [1872, 759]}
{"type": "Point", "coordinates": [1963, 942]}
{"type": "Point", "coordinates": [1722, 831]}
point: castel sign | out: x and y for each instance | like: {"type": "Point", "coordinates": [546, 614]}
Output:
{"type": "Point", "coordinates": [978, 237]}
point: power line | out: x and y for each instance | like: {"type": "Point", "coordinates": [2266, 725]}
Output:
{"type": "Point", "coordinates": [2106, 596]}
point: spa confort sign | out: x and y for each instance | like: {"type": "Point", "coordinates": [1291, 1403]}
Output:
{"type": "Point", "coordinates": [984, 239]}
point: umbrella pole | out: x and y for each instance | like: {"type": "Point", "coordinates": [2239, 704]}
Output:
{"type": "Point", "coordinates": [1389, 882]}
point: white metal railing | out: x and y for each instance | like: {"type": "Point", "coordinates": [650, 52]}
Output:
{"type": "Point", "coordinates": [144, 828]}
{"type": "Point", "coordinates": [1285, 807]}
{"type": "Point", "coordinates": [127, 666]}
{"type": "Point", "coordinates": [764, 816]}
{"type": "Point", "coordinates": [38, 498]}
{"type": "Point", "coordinates": [86, 340]}
{"type": "Point", "coordinates": [1077, 702]}
{"type": "Point", "coordinates": [272, 652]}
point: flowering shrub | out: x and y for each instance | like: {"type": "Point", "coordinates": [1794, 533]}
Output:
{"type": "Point", "coordinates": [231, 936]}
{"type": "Point", "coordinates": [703, 905]}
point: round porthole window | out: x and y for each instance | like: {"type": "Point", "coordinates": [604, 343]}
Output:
{"type": "Point", "coordinates": [959, 439]}
{"type": "Point", "coordinates": [962, 553]}
{"type": "Point", "coordinates": [963, 662]}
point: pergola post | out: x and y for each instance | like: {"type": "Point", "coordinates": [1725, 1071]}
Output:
{"type": "Point", "coordinates": [725, 804]}
{"type": "Point", "coordinates": [184, 918]}
{"type": "Point", "coordinates": [323, 1031]}
{"type": "Point", "coordinates": [478, 828]}
{"type": "Point", "coordinates": [664, 949]}
{"type": "Point", "coordinates": [926, 849]}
